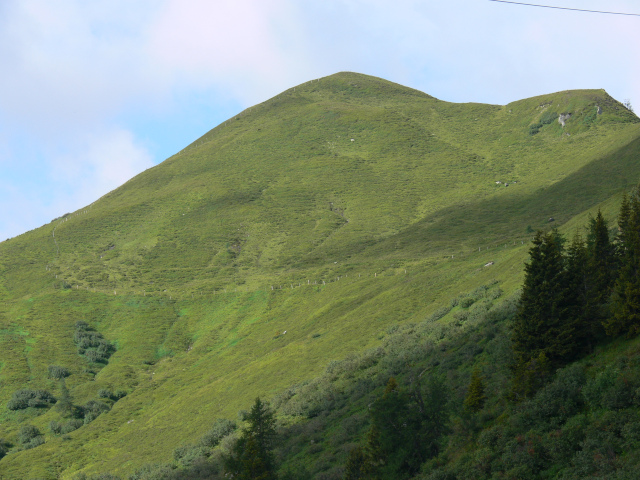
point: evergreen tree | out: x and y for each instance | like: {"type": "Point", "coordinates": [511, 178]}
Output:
{"type": "Point", "coordinates": [474, 401]}
{"type": "Point", "coordinates": [355, 466]}
{"type": "Point", "coordinates": [543, 323]}
{"type": "Point", "coordinates": [582, 302]}
{"type": "Point", "coordinates": [252, 456]}
{"type": "Point", "coordinates": [626, 292]}
{"type": "Point", "coordinates": [601, 261]}
{"type": "Point", "coordinates": [405, 429]}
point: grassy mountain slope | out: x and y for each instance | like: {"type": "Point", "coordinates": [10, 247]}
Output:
{"type": "Point", "coordinates": [331, 211]}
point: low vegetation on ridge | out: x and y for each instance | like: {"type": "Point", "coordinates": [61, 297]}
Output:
{"type": "Point", "coordinates": [305, 252]}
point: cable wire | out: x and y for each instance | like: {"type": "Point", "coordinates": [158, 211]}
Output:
{"type": "Point", "coordinates": [567, 8]}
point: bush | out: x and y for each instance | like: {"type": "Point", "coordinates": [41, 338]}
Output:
{"type": "Point", "coordinates": [71, 425]}
{"type": "Point", "coordinates": [96, 406]}
{"type": "Point", "coordinates": [55, 427]}
{"type": "Point", "coordinates": [39, 440]}
{"type": "Point", "coordinates": [221, 428]}
{"type": "Point", "coordinates": [92, 344]}
{"type": "Point", "coordinates": [28, 433]}
{"type": "Point", "coordinates": [105, 393]}
{"type": "Point", "coordinates": [186, 455]}
{"type": "Point", "coordinates": [58, 373]}
{"type": "Point", "coordinates": [118, 394]}
{"type": "Point", "coordinates": [466, 302]}
{"type": "Point", "coordinates": [25, 398]}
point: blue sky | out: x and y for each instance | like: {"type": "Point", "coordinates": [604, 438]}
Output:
{"type": "Point", "coordinates": [92, 93]}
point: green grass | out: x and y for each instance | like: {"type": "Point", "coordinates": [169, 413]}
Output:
{"type": "Point", "coordinates": [176, 267]}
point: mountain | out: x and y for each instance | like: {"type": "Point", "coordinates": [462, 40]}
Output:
{"type": "Point", "coordinates": [293, 234]}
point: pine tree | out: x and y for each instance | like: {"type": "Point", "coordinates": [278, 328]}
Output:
{"type": "Point", "coordinates": [602, 264]}
{"type": "Point", "coordinates": [405, 429]}
{"type": "Point", "coordinates": [626, 292]}
{"type": "Point", "coordinates": [543, 323]}
{"type": "Point", "coordinates": [252, 456]}
{"type": "Point", "coordinates": [474, 401]}
{"type": "Point", "coordinates": [356, 460]}
{"type": "Point", "coordinates": [582, 302]}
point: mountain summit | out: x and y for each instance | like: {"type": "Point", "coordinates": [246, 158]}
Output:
{"type": "Point", "coordinates": [291, 235]}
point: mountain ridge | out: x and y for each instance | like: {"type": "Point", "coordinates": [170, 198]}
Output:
{"type": "Point", "coordinates": [329, 216]}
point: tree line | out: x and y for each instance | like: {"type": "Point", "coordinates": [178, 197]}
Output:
{"type": "Point", "coordinates": [575, 296]}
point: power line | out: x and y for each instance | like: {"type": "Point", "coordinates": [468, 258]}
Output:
{"type": "Point", "coordinates": [567, 8]}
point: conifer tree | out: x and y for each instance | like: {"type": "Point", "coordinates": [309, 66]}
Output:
{"type": "Point", "coordinates": [252, 456]}
{"type": "Point", "coordinates": [543, 323]}
{"type": "Point", "coordinates": [583, 310]}
{"type": "Point", "coordinates": [405, 429]}
{"type": "Point", "coordinates": [474, 401]}
{"type": "Point", "coordinates": [625, 318]}
{"type": "Point", "coordinates": [601, 260]}
{"type": "Point", "coordinates": [355, 466]}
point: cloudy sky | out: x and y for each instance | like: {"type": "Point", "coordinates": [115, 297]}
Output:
{"type": "Point", "coordinates": [94, 92]}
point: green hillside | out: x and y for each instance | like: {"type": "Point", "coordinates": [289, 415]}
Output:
{"type": "Point", "coordinates": [292, 235]}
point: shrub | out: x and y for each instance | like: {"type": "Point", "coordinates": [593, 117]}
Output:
{"type": "Point", "coordinates": [71, 425]}
{"type": "Point", "coordinates": [118, 394]}
{"type": "Point", "coordinates": [466, 302]}
{"type": "Point", "coordinates": [39, 440]}
{"type": "Point", "coordinates": [105, 393]}
{"type": "Point", "coordinates": [90, 417]}
{"type": "Point", "coordinates": [25, 398]}
{"type": "Point", "coordinates": [55, 427]}
{"type": "Point", "coordinates": [28, 433]}
{"type": "Point", "coordinates": [58, 373]}
{"type": "Point", "coordinates": [186, 455]}
{"type": "Point", "coordinates": [221, 428]}
{"type": "Point", "coordinates": [92, 344]}
{"type": "Point", "coordinates": [96, 407]}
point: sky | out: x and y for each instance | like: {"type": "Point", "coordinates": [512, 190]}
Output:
{"type": "Point", "coordinates": [94, 92]}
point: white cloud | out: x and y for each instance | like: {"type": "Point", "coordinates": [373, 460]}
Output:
{"type": "Point", "coordinates": [83, 81]}
{"type": "Point", "coordinates": [95, 164]}
{"type": "Point", "coordinates": [101, 162]}
{"type": "Point", "coordinates": [247, 47]}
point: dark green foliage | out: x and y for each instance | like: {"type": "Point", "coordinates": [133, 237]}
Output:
{"type": "Point", "coordinates": [65, 404]}
{"type": "Point", "coordinates": [252, 455]}
{"type": "Point", "coordinates": [355, 468]}
{"type": "Point", "coordinates": [105, 393]}
{"type": "Point", "coordinates": [406, 428]}
{"type": "Point", "coordinates": [58, 373]}
{"type": "Point", "coordinates": [544, 324]}
{"type": "Point", "coordinates": [92, 409]}
{"type": "Point", "coordinates": [71, 425]}
{"type": "Point", "coordinates": [221, 428]}
{"type": "Point", "coordinates": [26, 398]}
{"type": "Point", "coordinates": [475, 399]}
{"type": "Point", "coordinates": [92, 344]}
{"type": "Point", "coordinates": [545, 119]}
{"type": "Point", "coordinates": [466, 302]}
{"type": "Point", "coordinates": [3, 448]}
{"type": "Point", "coordinates": [563, 303]}
{"type": "Point", "coordinates": [187, 455]}
{"type": "Point", "coordinates": [30, 437]}
{"type": "Point", "coordinates": [55, 427]}
{"type": "Point", "coordinates": [626, 298]}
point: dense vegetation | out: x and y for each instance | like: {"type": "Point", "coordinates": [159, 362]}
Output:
{"type": "Point", "coordinates": [578, 421]}
{"type": "Point", "coordinates": [306, 252]}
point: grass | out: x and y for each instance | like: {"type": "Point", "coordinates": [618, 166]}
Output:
{"type": "Point", "coordinates": [177, 266]}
